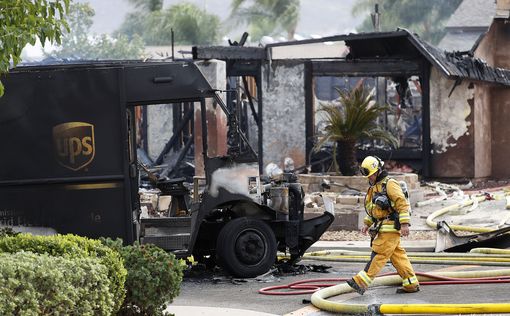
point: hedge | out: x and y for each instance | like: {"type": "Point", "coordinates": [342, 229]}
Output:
{"type": "Point", "coordinates": [71, 246]}
{"type": "Point", "coordinates": [153, 280]}
{"type": "Point", "coordinates": [40, 284]}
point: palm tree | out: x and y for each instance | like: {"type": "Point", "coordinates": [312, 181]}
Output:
{"type": "Point", "coordinates": [266, 17]}
{"type": "Point", "coordinates": [190, 23]}
{"type": "Point", "coordinates": [347, 124]}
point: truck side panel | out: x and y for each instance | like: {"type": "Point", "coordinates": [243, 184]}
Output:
{"type": "Point", "coordinates": [64, 160]}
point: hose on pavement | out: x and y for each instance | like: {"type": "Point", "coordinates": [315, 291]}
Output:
{"type": "Point", "coordinates": [319, 298]}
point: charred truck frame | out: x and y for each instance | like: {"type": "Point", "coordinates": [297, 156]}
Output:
{"type": "Point", "coordinates": [70, 166]}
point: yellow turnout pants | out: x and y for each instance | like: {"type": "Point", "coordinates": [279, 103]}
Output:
{"type": "Point", "coordinates": [387, 246]}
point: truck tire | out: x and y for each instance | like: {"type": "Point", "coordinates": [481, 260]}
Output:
{"type": "Point", "coordinates": [246, 247]}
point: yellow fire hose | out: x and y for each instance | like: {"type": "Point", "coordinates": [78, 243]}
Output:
{"type": "Point", "coordinates": [415, 257]}
{"type": "Point", "coordinates": [492, 251]}
{"type": "Point", "coordinates": [476, 252]}
{"type": "Point", "coordinates": [505, 262]}
{"type": "Point", "coordinates": [319, 298]}
{"type": "Point", "coordinates": [460, 205]}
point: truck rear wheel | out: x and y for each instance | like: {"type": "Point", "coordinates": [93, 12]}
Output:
{"type": "Point", "coordinates": [246, 247]}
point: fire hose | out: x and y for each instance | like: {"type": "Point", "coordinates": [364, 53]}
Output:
{"type": "Point", "coordinates": [319, 298]}
{"type": "Point", "coordinates": [415, 257]}
{"type": "Point", "coordinates": [477, 256]}
{"type": "Point", "coordinates": [457, 206]}
{"type": "Point", "coordinates": [312, 285]}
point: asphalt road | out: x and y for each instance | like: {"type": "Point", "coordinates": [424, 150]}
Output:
{"type": "Point", "coordinates": [217, 290]}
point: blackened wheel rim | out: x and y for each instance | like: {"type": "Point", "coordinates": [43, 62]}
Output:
{"type": "Point", "coordinates": [250, 247]}
{"type": "Point", "coordinates": [246, 247]}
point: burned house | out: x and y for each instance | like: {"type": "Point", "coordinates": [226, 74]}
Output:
{"type": "Point", "coordinates": [457, 113]}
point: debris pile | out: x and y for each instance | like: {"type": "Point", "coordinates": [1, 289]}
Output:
{"type": "Point", "coordinates": [153, 204]}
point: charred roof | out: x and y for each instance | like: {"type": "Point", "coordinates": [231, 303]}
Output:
{"type": "Point", "coordinates": [400, 45]}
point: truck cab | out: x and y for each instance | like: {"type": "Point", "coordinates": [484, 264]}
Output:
{"type": "Point", "coordinates": [70, 165]}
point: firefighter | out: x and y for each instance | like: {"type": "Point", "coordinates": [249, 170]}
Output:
{"type": "Point", "coordinates": [387, 218]}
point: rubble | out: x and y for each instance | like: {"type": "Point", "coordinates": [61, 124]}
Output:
{"type": "Point", "coordinates": [153, 204]}
{"type": "Point", "coordinates": [436, 195]}
{"type": "Point", "coordinates": [345, 235]}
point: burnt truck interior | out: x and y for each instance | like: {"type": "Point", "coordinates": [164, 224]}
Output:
{"type": "Point", "coordinates": [72, 167]}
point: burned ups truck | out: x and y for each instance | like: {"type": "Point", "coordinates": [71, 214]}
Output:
{"type": "Point", "coordinates": [69, 165]}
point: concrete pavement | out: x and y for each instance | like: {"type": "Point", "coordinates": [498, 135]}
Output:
{"type": "Point", "coordinates": [212, 311]}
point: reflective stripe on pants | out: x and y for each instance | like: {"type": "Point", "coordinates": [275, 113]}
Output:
{"type": "Point", "coordinates": [387, 246]}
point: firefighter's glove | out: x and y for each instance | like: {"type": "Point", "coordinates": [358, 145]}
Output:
{"type": "Point", "coordinates": [404, 230]}
{"type": "Point", "coordinates": [381, 200]}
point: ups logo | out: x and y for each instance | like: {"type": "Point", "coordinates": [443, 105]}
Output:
{"type": "Point", "coordinates": [74, 144]}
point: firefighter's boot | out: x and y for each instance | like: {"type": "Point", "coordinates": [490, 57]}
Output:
{"type": "Point", "coordinates": [408, 289]}
{"type": "Point", "coordinates": [360, 290]}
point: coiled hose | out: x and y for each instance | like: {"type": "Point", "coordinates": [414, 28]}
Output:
{"type": "Point", "coordinates": [319, 298]}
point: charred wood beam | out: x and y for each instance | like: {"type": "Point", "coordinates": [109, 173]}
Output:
{"type": "Point", "coordinates": [234, 131]}
{"type": "Point", "coordinates": [145, 129]}
{"type": "Point", "coordinates": [175, 136]}
{"type": "Point", "coordinates": [309, 112]}
{"type": "Point", "coordinates": [250, 100]}
{"type": "Point", "coordinates": [260, 127]}
{"type": "Point", "coordinates": [180, 158]}
{"type": "Point", "coordinates": [228, 52]}
{"type": "Point", "coordinates": [204, 129]}
{"type": "Point", "coordinates": [425, 101]}
{"type": "Point", "coordinates": [176, 120]}
{"type": "Point", "coordinates": [241, 68]}
{"type": "Point", "coordinates": [366, 68]}
{"type": "Point", "coordinates": [344, 37]}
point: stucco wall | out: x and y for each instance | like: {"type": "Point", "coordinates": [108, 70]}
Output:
{"type": "Point", "coordinates": [500, 103]}
{"type": "Point", "coordinates": [159, 128]}
{"type": "Point", "coordinates": [283, 112]}
{"type": "Point", "coordinates": [451, 127]}
{"type": "Point", "coordinates": [483, 133]}
{"type": "Point", "coordinates": [483, 108]}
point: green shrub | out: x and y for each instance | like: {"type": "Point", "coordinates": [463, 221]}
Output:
{"type": "Point", "coordinates": [39, 284]}
{"type": "Point", "coordinates": [72, 246]}
{"type": "Point", "coordinates": [7, 231]}
{"type": "Point", "coordinates": [154, 278]}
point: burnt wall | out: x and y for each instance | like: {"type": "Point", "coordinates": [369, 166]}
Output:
{"type": "Point", "coordinates": [451, 127]}
{"type": "Point", "coordinates": [283, 91]}
{"type": "Point", "coordinates": [483, 110]}
{"type": "Point", "coordinates": [482, 131]}
{"type": "Point", "coordinates": [500, 106]}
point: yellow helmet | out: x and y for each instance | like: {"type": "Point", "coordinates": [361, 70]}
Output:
{"type": "Point", "coordinates": [370, 165]}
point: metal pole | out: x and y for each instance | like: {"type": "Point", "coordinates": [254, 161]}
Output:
{"type": "Point", "coordinates": [380, 82]}
{"type": "Point", "coordinates": [375, 18]}
{"type": "Point", "coordinates": [172, 38]}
